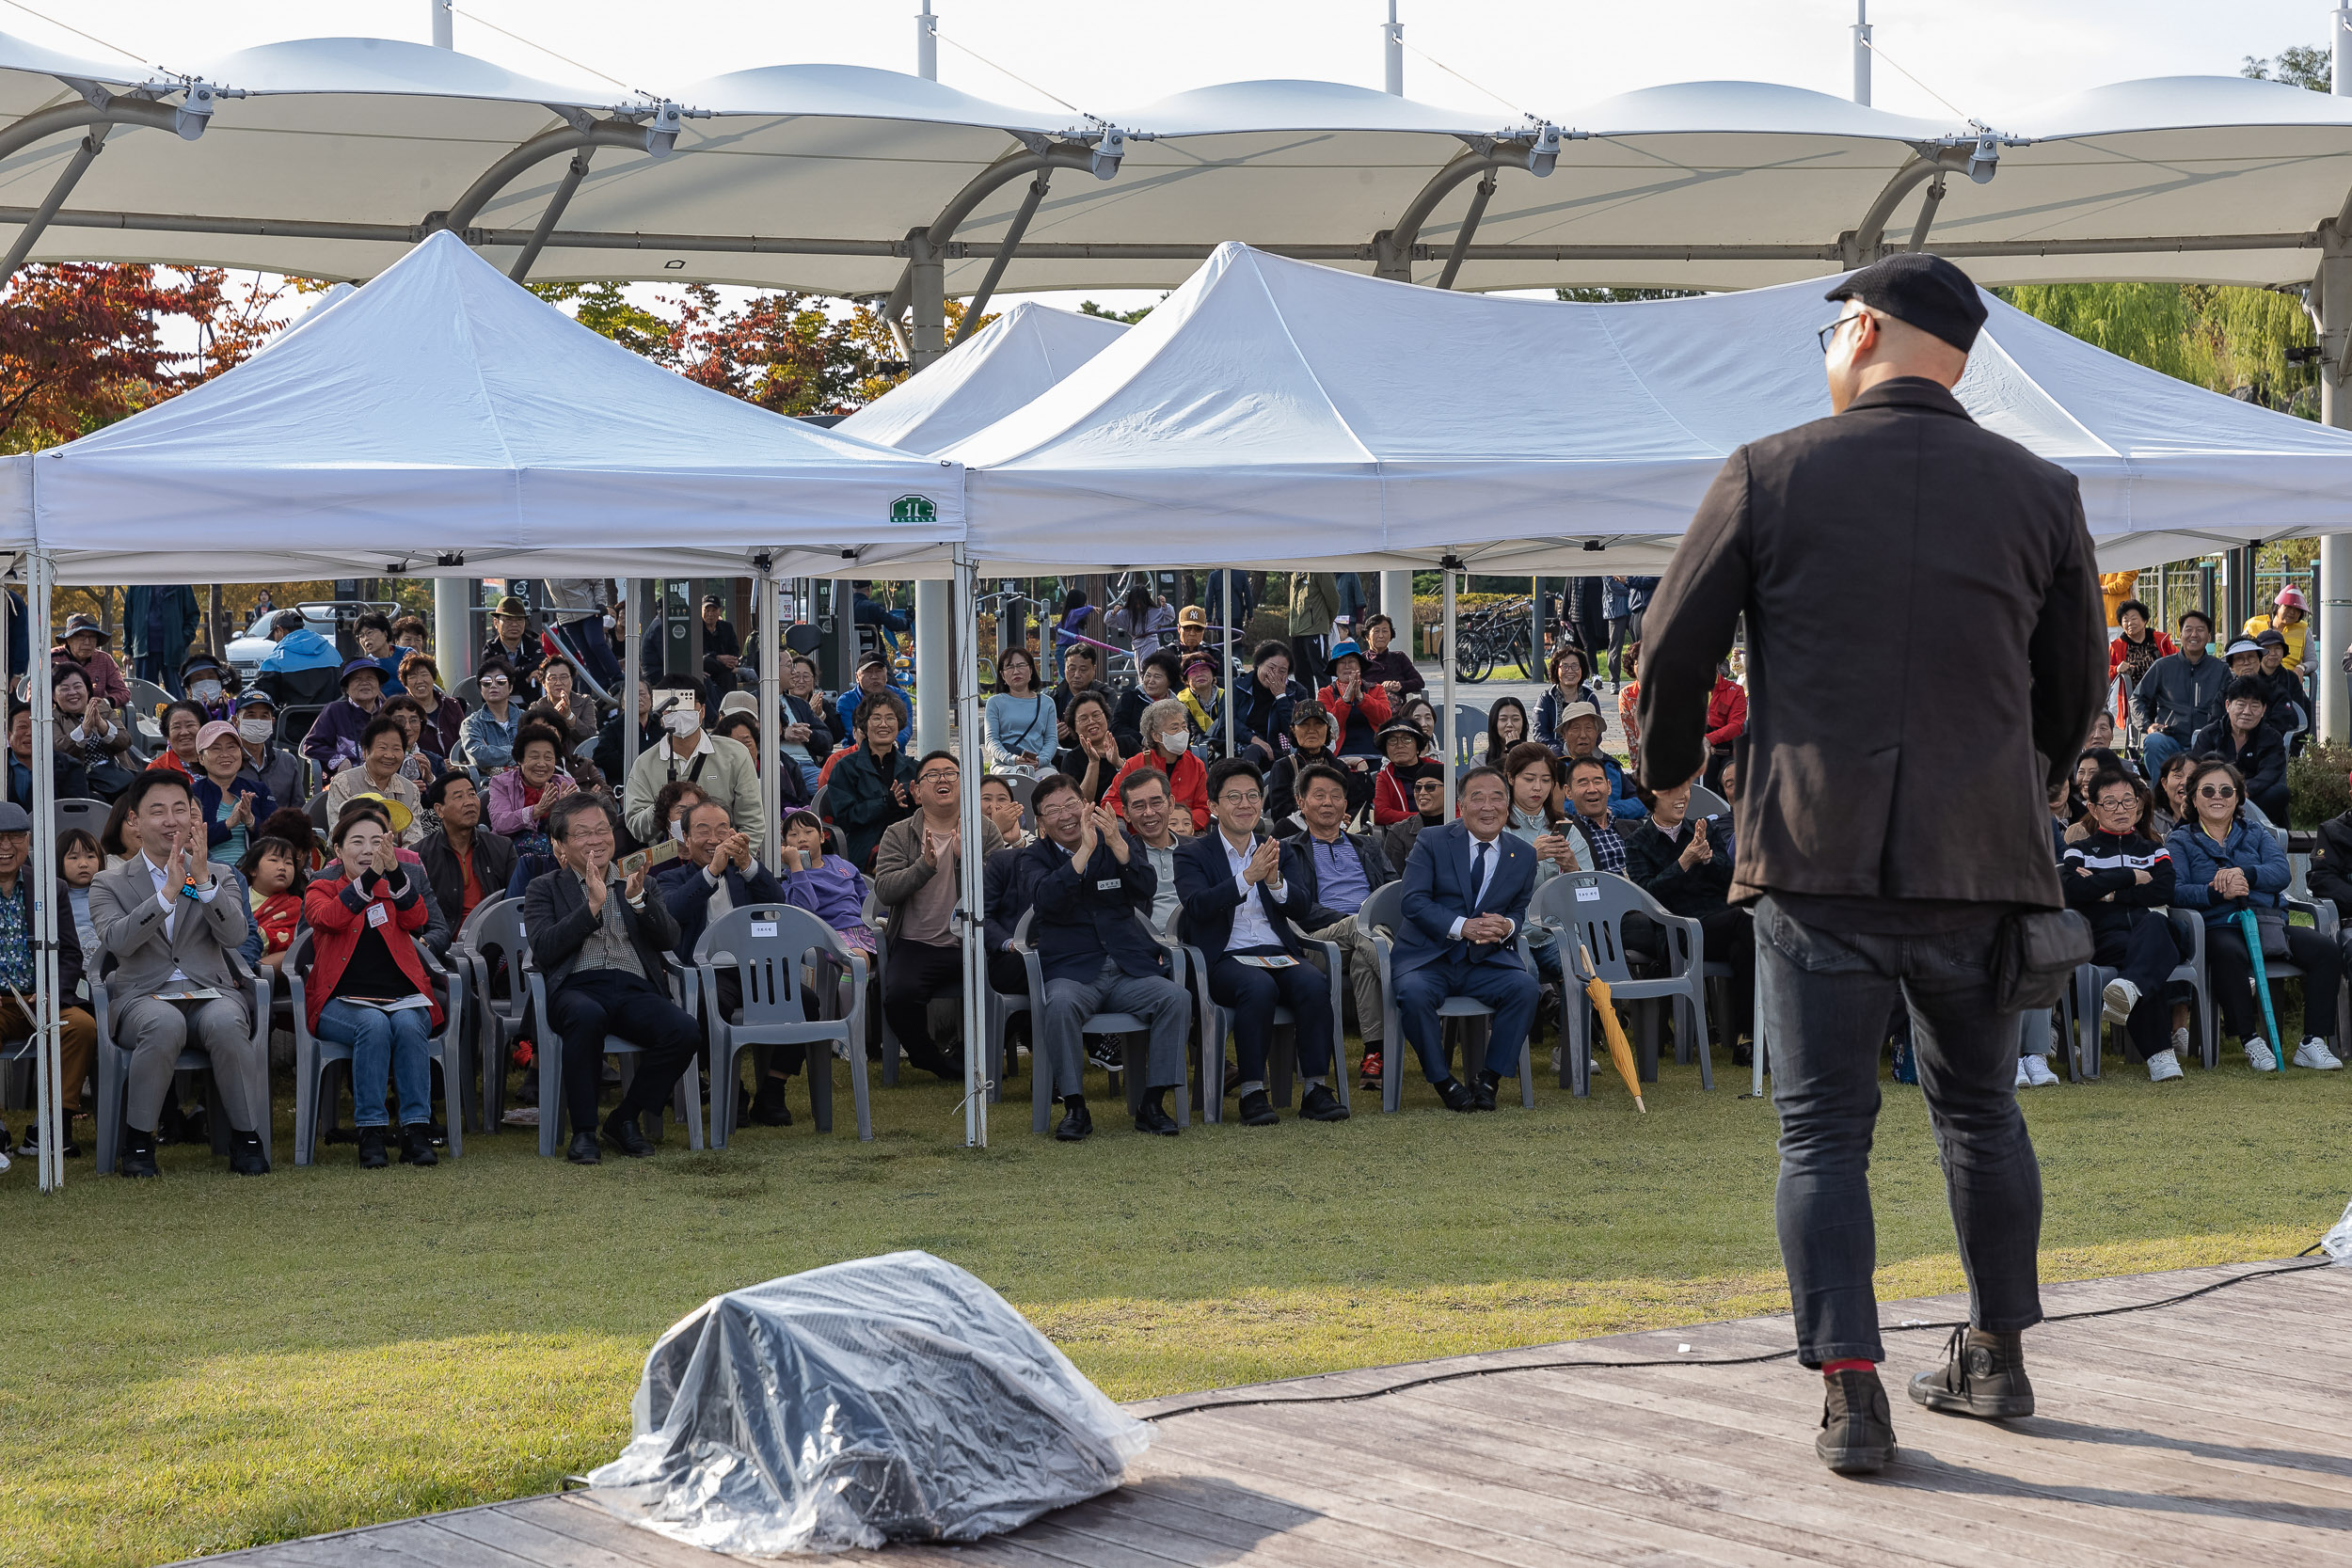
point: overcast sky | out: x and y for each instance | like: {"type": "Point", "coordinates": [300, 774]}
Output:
{"type": "Point", "coordinates": [1985, 56]}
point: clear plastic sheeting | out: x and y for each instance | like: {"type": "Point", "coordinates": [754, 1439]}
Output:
{"type": "Point", "coordinates": [888, 1398]}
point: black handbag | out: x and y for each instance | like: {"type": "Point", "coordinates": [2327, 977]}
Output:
{"type": "Point", "coordinates": [2035, 954]}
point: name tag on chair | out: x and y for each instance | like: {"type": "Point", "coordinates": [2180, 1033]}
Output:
{"type": "Point", "coordinates": [763, 929]}
{"type": "Point", "coordinates": [1588, 896]}
{"type": "Point", "coordinates": [378, 915]}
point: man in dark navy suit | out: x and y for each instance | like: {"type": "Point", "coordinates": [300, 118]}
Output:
{"type": "Point", "coordinates": [1088, 881]}
{"type": "Point", "coordinates": [1466, 890]}
{"type": "Point", "coordinates": [1240, 893]}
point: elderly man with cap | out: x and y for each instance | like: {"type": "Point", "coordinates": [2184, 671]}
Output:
{"type": "Point", "coordinates": [1891, 854]}
{"type": "Point", "coordinates": [511, 638]}
{"type": "Point", "coordinates": [1580, 740]}
{"type": "Point", "coordinates": [333, 743]}
{"type": "Point", "coordinates": [85, 643]}
{"type": "Point", "coordinates": [19, 974]}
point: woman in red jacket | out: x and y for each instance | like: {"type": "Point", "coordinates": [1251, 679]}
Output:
{"type": "Point", "coordinates": [1726, 718]}
{"type": "Point", "coordinates": [1392, 791]}
{"type": "Point", "coordinates": [367, 987]}
{"type": "Point", "coordinates": [1168, 747]}
{"type": "Point", "coordinates": [1358, 711]}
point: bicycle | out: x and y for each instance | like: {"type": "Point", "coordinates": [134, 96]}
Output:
{"type": "Point", "coordinates": [1498, 635]}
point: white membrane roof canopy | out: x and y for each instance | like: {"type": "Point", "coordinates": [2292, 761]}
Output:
{"type": "Point", "coordinates": [1005, 364]}
{"type": "Point", "coordinates": [330, 157]}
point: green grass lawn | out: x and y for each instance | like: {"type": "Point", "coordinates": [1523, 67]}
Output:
{"type": "Point", "coordinates": [203, 1363]}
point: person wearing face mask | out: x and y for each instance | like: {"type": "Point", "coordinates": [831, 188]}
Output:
{"type": "Point", "coordinates": [203, 679]}
{"type": "Point", "coordinates": [266, 763]}
{"type": "Point", "coordinates": [1169, 732]}
{"type": "Point", "coordinates": [723, 767]}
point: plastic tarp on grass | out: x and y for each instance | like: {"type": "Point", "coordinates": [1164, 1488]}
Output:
{"type": "Point", "coordinates": [1275, 413]}
{"type": "Point", "coordinates": [445, 415]}
{"type": "Point", "coordinates": [887, 1399]}
{"type": "Point", "coordinates": [998, 369]}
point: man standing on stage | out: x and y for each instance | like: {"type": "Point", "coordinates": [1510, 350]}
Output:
{"type": "Point", "coordinates": [1882, 842]}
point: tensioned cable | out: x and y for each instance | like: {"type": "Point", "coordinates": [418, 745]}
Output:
{"type": "Point", "coordinates": [1872, 46]}
{"type": "Point", "coordinates": [1461, 1373]}
{"type": "Point", "coordinates": [79, 33]}
{"type": "Point", "coordinates": [1002, 72]}
{"type": "Point", "coordinates": [1468, 83]}
{"type": "Point", "coordinates": [532, 43]}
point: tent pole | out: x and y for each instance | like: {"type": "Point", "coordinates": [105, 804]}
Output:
{"type": "Point", "coordinates": [7, 676]}
{"type": "Point", "coordinates": [632, 671]}
{"type": "Point", "coordinates": [452, 628]}
{"type": "Point", "coordinates": [770, 720]}
{"type": "Point", "coordinates": [933, 658]}
{"type": "Point", "coordinates": [968, 866]}
{"type": "Point", "coordinates": [1225, 676]}
{"type": "Point", "coordinates": [1448, 566]}
{"type": "Point", "coordinates": [2333, 295]}
{"type": "Point", "coordinates": [49, 1109]}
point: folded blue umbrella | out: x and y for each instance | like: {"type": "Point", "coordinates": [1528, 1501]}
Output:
{"type": "Point", "coordinates": [2252, 929]}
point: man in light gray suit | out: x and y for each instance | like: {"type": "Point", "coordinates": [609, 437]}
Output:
{"type": "Point", "coordinates": [171, 922]}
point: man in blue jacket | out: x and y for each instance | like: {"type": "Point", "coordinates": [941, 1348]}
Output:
{"type": "Point", "coordinates": [1088, 881]}
{"type": "Point", "coordinates": [1466, 890]}
{"type": "Point", "coordinates": [1240, 893]}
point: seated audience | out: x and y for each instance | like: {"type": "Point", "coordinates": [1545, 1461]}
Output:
{"type": "Point", "coordinates": [873, 786]}
{"type": "Point", "coordinates": [1341, 870]}
{"type": "Point", "coordinates": [998, 805]}
{"type": "Point", "coordinates": [464, 863]}
{"type": "Point", "coordinates": [598, 938]}
{"type": "Point", "coordinates": [2121, 881]}
{"type": "Point", "coordinates": [1168, 750]}
{"type": "Point", "coordinates": [1359, 711]}
{"type": "Point", "coordinates": [2137, 646]}
{"type": "Point", "coordinates": [1506, 727]}
{"type": "Point", "coordinates": [1391, 668]}
{"type": "Point", "coordinates": [917, 873]}
{"type": "Point", "coordinates": [333, 742]}
{"type": "Point", "coordinates": [172, 937]}
{"type": "Point", "coordinates": [207, 684]}
{"type": "Point", "coordinates": [1204, 703]}
{"type": "Point", "coordinates": [873, 680]}
{"type": "Point", "coordinates": [367, 986]}
{"type": "Point", "coordinates": [1093, 759]}
{"type": "Point", "coordinates": [1726, 720]}
{"type": "Point", "coordinates": [1081, 668]}
{"type": "Point", "coordinates": [721, 766]}
{"type": "Point", "coordinates": [2246, 744]}
{"type": "Point", "coordinates": [1580, 737]}
{"type": "Point", "coordinates": [1589, 786]}
{"type": "Point", "coordinates": [276, 880]}
{"type": "Point", "coordinates": [716, 874]}
{"type": "Point", "coordinates": [1310, 747]}
{"type": "Point", "coordinates": [1571, 684]}
{"type": "Point", "coordinates": [2170, 807]}
{"type": "Point", "coordinates": [266, 763]}
{"type": "Point", "coordinates": [418, 764]}
{"type": "Point", "coordinates": [2179, 694]}
{"type": "Point", "coordinates": [20, 973]}
{"type": "Point", "coordinates": [1393, 794]}
{"type": "Point", "coordinates": [1240, 893]}
{"type": "Point", "coordinates": [372, 631]}
{"type": "Point", "coordinates": [2223, 864]}
{"type": "Point", "coordinates": [1156, 680]}
{"type": "Point", "coordinates": [1087, 882]}
{"type": "Point", "coordinates": [1685, 864]}
{"type": "Point", "coordinates": [85, 645]}
{"type": "Point", "coordinates": [290, 823]}
{"type": "Point", "coordinates": [520, 798]}
{"type": "Point", "coordinates": [80, 859]}
{"type": "Point", "coordinates": [2289, 715]}
{"type": "Point", "coordinates": [232, 801]}
{"type": "Point", "coordinates": [485, 740]}
{"type": "Point", "coordinates": [1023, 725]}
{"type": "Point", "coordinates": [808, 733]}
{"type": "Point", "coordinates": [559, 689]}
{"type": "Point", "coordinates": [1262, 712]}
{"type": "Point", "coordinates": [1397, 838]}
{"type": "Point", "coordinates": [1466, 892]}
{"type": "Point", "coordinates": [383, 745]}
{"type": "Point", "coordinates": [1152, 814]}
{"type": "Point", "coordinates": [444, 714]}
{"type": "Point", "coordinates": [66, 776]}
{"type": "Point", "coordinates": [90, 732]}
{"type": "Point", "coordinates": [607, 756]}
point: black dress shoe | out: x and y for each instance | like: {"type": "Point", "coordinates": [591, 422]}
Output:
{"type": "Point", "coordinates": [1257, 1109]}
{"type": "Point", "coordinates": [1457, 1095]}
{"type": "Point", "coordinates": [1077, 1122]}
{"type": "Point", "coordinates": [624, 1134]}
{"type": "Point", "coordinates": [1321, 1104]}
{"type": "Point", "coordinates": [1484, 1089]}
{"type": "Point", "coordinates": [1857, 1435]}
{"type": "Point", "coordinates": [246, 1157]}
{"type": "Point", "coordinates": [584, 1151]}
{"type": "Point", "coordinates": [31, 1147]}
{"type": "Point", "coordinates": [371, 1149]}
{"type": "Point", "coordinates": [437, 1134]}
{"type": "Point", "coordinates": [1153, 1118]}
{"type": "Point", "coordinates": [416, 1146]}
{"type": "Point", "coordinates": [768, 1107]}
{"type": "Point", "coordinates": [1984, 1374]}
{"type": "Point", "coordinates": [138, 1155]}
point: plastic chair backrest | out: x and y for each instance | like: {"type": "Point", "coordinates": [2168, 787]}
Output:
{"type": "Point", "coordinates": [1385, 908]}
{"type": "Point", "coordinates": [319, 817]}
{"type": "Point", "coordinates": [469, 692]}
{"type": "Point", "coordinates": [767, 944]}
{"type": "Point", "coordinates": [88, 816]}
{"type": "Point", "coordinates": [495, 930]}
{"type": "Point", "coordinates": [1023, 789]}
{"type": "Point", "coordinates": [1470, 733]}
{"type": "Point", "coordinates": [1589, 908]}
{"type": "Point", "coordinates": [816, 803]}
{"type": "Point", "coordinates": [1705, 803]}
{"type": "Point", "coordinates": [146, 696]}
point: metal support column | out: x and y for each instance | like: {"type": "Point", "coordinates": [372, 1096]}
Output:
{"type": "Point", "coordinates": [1225, 662]}
{"type": "Point", "coordinates": [1396, 602]}
{"type": "Point", "coordinates": [1445, 656]}
{"type": "Point", "coordinates": [453, 630]}
{"type": "Point", "coordinates": [1535, 630]}
{"type": "Point", "coordinates": [845, 647]}
{"type": "Point", "coordinates": [969, 899]}
{"type": "Point", "coordinates": [936, 650]}
{"type": "Point", "coordinates": [632, 671]}
{"type": "Point", "coordinates": [49, 1105]}
{"type": "Point", "coordinates": [769, 614]}
{"type": "Point", "coordinates": [2331, 617]}
{"type": "Point", "coordinates": [1862, 51]}
{"type": "Point", "coordinates": [573, 174]}
{"type": "Point", "coordinates": [92, 141]}
{"type": "Point", "coordinates": [927, 271]}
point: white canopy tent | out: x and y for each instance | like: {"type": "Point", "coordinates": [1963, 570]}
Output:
{"type": "Point", "coordinates": [443, 418]}
{"type": "Point", "coordinates": [1000, 368]}
{"type": "Point", "coordinates": [1273, 413]}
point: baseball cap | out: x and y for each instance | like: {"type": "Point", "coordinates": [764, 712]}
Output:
{"type": "Point", "coordinates": [2243, 645]}
{"type": "Point", "coordinates": [1192, 615]}
{"type": "Point", "coordinates": [14, 820]}
{"type": "Point", "coordinates": [1923, 290]}
{"type": "Point", "coordinates": [739, 701]}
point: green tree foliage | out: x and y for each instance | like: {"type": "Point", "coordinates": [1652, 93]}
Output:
{"type": "Point", "coordinates": [2297, 65]}
{"type": "Point", "coordinates": [2233, 341]}
{"type": "Point", "coordinates": [1088, 307]}
{"type": "Point", "coordinates": [1621, 296]}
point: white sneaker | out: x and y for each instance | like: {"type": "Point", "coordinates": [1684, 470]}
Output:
{"type": "Point", "coordinates": [2024, 1073]}
{"type": "Point", "coordinates": [2120, 996]}
{"type": "Point", "coordinates": [2179, 1041]}
{"type": "Point", "coordinates": [2164, 1067]}
{"type": "Point", "coordinates": [2313, 1052]}
{"type": "Point", "coordinates": [2259, 1055]}
{"type": "Point", "coordinates": [2038, 1071]}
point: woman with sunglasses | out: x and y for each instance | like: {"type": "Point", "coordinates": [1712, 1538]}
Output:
{"type": "Point", "coordinates": [485, 742]}
{"type": "Point", "coordinates": [2224, 864]}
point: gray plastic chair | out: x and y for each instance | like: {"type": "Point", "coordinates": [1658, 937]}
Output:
{"type": "Point", "coordinates": [1589, 908]}
{"type": "Point", "coordinates": [1705, 803]}
{"type": "Point", "coordinates": [877, 917]}
{"type": "Point", "coordinates": [492, 935]}
{"type": "Point", "coordinates": [1216, 1024]}
{"type": "Point", "coordinates": [1127, 1025]}
{"type": "Point", "coordinates": [769, 945]}
{"type": "Point", "coordinates": [314, 1056]}
{"type": "Point", "coordinates": [88, 816]}
{"type": "Point", "coordinates": [2083, 1008]}
{"type": "Point", "coordinates": [114, 1071]}
{"type": "Point", "coordinates": [1381, 914]}
{"type": "Point", "coordinates": [146, 699]}
{"type": "Point", "coordinates": [684, 1103]}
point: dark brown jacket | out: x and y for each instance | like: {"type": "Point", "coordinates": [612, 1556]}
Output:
{"type": "Point", "coordinates": [1915, 587]}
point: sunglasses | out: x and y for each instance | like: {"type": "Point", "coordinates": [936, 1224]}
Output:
{"type": "Point", "coordinates": [2217, 792]}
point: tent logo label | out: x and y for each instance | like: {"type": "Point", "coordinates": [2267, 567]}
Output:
{"type": "Point", "coordinates": [913, 509]}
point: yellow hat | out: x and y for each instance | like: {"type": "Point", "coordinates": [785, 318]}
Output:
{"type": "Point", "coordinates": [400, 814]}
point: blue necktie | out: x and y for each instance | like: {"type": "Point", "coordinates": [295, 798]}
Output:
{"type": "Point", "coordinates": [1478, 875]}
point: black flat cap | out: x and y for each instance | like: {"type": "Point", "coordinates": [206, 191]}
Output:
{"type": "Point", "coordinates": [1925, 291]}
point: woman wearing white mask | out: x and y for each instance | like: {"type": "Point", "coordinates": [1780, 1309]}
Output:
{"type": "Point", "coordinates": [206, 685]}
{"type": "Point", "coordinates": [1168, 730]}
{"type": "Point", "coordinates": [721, 767]}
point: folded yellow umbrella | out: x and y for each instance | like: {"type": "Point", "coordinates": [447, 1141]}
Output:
{"type": "Point", "coordinates": [1619, 1051]}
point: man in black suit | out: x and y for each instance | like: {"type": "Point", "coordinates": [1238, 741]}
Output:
{"type": "Point", "coordinates": [1240, 895]}
{"type": "Point", "coordinates": [716, 873]}
{"type": "Point", "coordinates": [1089, 881]}
{"type": "Point", "coordinates": [1884, 845]}
{"type": "Point", "coordinates": [600, 939]}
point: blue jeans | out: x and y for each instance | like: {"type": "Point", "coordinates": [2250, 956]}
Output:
{"type": "Point", "coordinates": [1825, 1000]}
{"type": "Point", "coordinates": [382, 1043]}
{"type": "Point", "coordinates": [1509, 990]}
{"type": "Point", "coordinates": [2155, 748]}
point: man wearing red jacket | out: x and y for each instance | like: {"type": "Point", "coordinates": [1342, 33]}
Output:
{"type": "Point", "coordinates": [1726, 720]}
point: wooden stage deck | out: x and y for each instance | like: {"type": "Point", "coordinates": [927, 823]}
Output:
{"type": "Point", "coordinates": [2215, 1432]}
